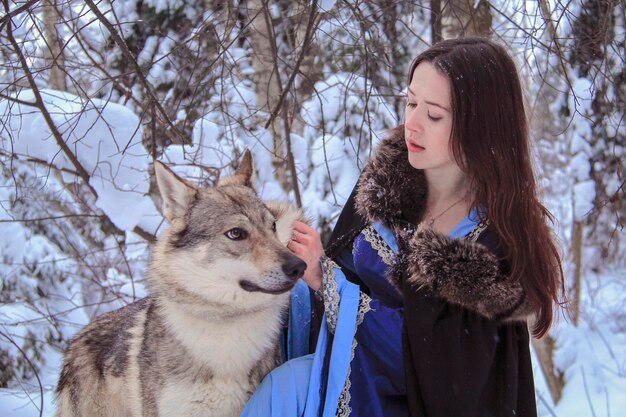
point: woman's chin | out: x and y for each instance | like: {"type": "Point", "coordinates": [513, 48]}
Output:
{"type": "Point", "coordinates": [416, 161]}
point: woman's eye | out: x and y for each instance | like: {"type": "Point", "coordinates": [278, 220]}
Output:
{"type": "Point", "coordinates": [236, 234]}
{"type": "Point", "coordinates": [411, 105]}
{"type": "Point", "coordinates": [434, 118]}
{"type": "Point", "coordinates": [274, 227]}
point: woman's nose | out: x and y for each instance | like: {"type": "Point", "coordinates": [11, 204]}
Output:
{"type": "Point", "coordinates": [412, 121]}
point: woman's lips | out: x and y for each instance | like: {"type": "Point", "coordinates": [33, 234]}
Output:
{"type": "Point", "coordinates": [414, 147]}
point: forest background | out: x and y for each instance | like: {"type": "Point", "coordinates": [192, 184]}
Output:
{"type": "Point", "coordinates": [91, 92]}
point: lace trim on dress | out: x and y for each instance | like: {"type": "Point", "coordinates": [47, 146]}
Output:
{"type": "Point", "coordinates": [480, 227]}
{"type": "Point", "coordinates": [330, 290]}
{"type": "Point", "coordinates": [379, 244]}
{"type": "Point", "coordinates": [343, 407]}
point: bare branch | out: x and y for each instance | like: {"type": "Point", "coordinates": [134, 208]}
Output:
{"type": "Point", "coordinates": [119, 41]}
{"type": "Point", "coordinates": [32, 366]}
{"type": "Point", "coordinates": [18, 101]}
{"type": "Point", "coordinates": [39, 103]}
{"type": "Point", "coordinates": [40, 219]}
{"type": "Point", "coordinates": [11, 14]}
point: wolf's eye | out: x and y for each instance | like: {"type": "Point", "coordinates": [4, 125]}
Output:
{"type": "Point", "coordinates": [274, 227]}
{"type": "Point", "coordinates": [236, 234]}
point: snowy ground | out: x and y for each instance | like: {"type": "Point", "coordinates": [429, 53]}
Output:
{"type": "Point", "coordinates": [594, 356]}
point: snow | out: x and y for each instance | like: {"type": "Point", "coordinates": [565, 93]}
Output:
{"type": "Point", "coordinates": [327, 5]}
{"type": "Point", "coordinates": [16, 403]}
{"type": "Point", "coordinates": [593, 354]}
{"type": "Point", "coordinates": [579, 166]}
{"type": "Point", "coordinates": [584, 192]}
{"type": "Point", "coordinates": [105, 138]}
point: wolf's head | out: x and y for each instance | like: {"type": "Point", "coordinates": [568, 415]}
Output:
{"type": "Point", "coordinates": [224, 248]}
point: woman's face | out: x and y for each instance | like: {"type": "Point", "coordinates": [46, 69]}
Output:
{"type": "Point", "coordinates": [428, 119]}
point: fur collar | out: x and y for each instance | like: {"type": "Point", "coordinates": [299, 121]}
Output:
{"type": "Point", "coordinates": [390, 190]}
{"type": "Point", "coordinates": [462, 272]}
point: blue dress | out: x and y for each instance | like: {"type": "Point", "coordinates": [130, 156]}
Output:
{"type": "Point", "coordinates": [357, 368]}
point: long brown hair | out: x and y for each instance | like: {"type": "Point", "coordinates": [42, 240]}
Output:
{"type": "Point", "coordinates": [490, 142]}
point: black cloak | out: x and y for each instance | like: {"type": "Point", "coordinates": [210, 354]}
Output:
{"type": "Point", "coordinates": [465, 340]}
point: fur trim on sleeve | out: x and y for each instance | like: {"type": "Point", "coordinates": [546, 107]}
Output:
{"type": "Point", "coordinates": [464, 273]}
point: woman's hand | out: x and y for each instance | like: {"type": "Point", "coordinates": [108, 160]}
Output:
{"type": "Point", "coordinates": [306, 244]}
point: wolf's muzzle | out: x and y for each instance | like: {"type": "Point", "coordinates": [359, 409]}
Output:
{"type": "Point", "coordinates": [294, 268]}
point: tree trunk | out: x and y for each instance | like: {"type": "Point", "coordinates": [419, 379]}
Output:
{"type": "Point", "coordinates": [577, 251]}
{"type": "Point", "coordinates": [435, 21]}
{"type": "Point", "coordinates": [598, 33]}
{"type": "Point", "coordinates": [267, 79]}
{"type": "Point", "coordinates": [460, 18]}
{"type": "Point", "coordinates": [310, 70]}
{"type": "Point", "coordinates": [544, 348]}
{"type": "Point", "coordinates": [54, 53]}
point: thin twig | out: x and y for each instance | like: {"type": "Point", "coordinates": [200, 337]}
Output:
{"type": "Point", "coordinates": [593, 411]}
{"type": "Point", "coordinates": [40, 104]}
{"type": "Point", "coordinates": [40, 219]}
{"type": "Point", "coordinates": [121, 43]}
{"type": "Point", "coordinates": [32, 366]}
{"type": "Point", "coordinates": [11, 14]}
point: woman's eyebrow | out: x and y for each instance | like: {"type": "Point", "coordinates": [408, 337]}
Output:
{"type": "Point", "coordinates": [431, 103]}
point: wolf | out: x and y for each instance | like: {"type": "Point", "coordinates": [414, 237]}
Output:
{"type": "Point", "coordinates": [198, 345]}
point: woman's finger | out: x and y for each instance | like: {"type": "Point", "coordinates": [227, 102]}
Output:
{"type": "Point", "coordinates": [303, 238]}
{"type": "Point", "coordinates": [297, 248]}
{"type": "Point", "coordinates": [302, 227]}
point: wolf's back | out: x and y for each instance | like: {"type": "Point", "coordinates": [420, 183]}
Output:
{"type": "Point", "coordinates": [100, 375]}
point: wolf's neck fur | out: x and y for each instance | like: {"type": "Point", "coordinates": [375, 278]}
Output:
{"type": "Point", "coordinates": [228, 346]}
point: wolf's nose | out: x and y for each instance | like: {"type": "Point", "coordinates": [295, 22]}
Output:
{"type": "Point", "coordinates": [294, 268]}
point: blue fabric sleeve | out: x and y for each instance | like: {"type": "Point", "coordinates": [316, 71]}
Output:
{"type": "Point", "coordinates": [341, 301]}
{"type": "Point", "coordinates": [299, 321]}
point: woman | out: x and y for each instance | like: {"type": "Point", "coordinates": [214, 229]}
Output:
{"type": "Point", "coordinates": [450, 248]}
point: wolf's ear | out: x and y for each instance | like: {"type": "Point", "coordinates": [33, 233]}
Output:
{"type": "Point", "coordinates": [244, 174]}
{"type": "Point", "coordinates": [176, 193]}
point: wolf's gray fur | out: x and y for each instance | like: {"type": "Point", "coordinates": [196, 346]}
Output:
{"type": "Point", "coordinates": [200, 343]}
